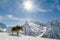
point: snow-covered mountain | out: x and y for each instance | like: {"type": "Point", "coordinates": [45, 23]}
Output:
{"type": "Point", "coordinates": [33, 28]}
{"type": "Point", "coordinates": [53, 30]}
{"type": "Point", "coordinates": [3, 27]}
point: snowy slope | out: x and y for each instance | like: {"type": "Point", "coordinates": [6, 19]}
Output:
{"type": "Point", "coordinates": [6, 36]}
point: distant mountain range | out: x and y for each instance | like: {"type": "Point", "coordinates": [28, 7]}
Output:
{"type": "Point", "coordinates": [3, 27]}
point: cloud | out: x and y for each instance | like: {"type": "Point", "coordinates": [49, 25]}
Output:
{"type": "Point", "coordinates": [58, 8]}
{"type": "Point", "coordinates": [56, 1]}
{"type": "Point", "coordinates": [49, 8]}
{"type": "Point", "coordinates": [9, 16]}
{"type": "Point", "coordinates": [1, 18]}
{"type": "Point", "coordinates": [3, 1]}
{"type": "Point", "coordinates": [43, 10]}
{"type": "Point", "coordinates": [12, 17]}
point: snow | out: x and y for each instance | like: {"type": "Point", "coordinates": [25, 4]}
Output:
{"type": "Point", "coordinates": [6, 36]}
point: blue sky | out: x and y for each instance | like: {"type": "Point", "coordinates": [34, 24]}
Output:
{"type": "Point", "coordinates": [12, 12]}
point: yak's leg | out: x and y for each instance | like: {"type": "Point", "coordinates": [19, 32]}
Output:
{"type": "Point", "coordinates": [17, 33]}
{"type": "Point", "coordinates": [12, 33]}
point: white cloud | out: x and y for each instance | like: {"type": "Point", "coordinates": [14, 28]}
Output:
{"type": "Point", "coordinates": [56, 1]}
{"type": "Point", "coordinates": [9, 16]}
{"type": "Point", "coordinates": [50, 9]}
{"type": "Point", "coordinates": [58, 8]}
{"type": "Point", "coordinates": [3, 1]}
{"type": "Point", "coordinates": [12, 17]}
{"type": "Point", "coordinates": [1, 18]}
{"type": "Point", "coordinates": [43, 10]}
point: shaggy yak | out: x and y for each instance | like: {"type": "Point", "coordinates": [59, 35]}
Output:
{"type": "Point", "coordinates": [16, 29]}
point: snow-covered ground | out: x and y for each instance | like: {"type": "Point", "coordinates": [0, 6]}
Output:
{"type": "Point", "coordinates": [6, 36]}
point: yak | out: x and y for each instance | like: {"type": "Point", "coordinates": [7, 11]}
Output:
{"type": "Point", "coordinates": [16, 30]}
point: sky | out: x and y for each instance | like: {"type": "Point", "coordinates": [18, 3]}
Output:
{"type": "Point", "coordinates": [16, 12]}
